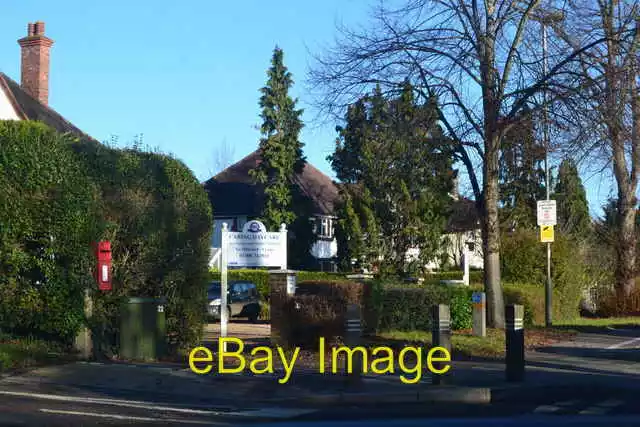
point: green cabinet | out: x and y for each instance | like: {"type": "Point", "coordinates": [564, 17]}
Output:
{"type": "Point", "coordinates": [143, 332]}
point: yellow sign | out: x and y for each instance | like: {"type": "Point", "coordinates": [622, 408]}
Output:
{"type": "Point", "coordinates": [546, 234]}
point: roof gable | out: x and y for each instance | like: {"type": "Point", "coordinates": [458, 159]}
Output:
{"type": "Point", "coordinates": [28, 108]}
{"type": "Point", "coordinates": [233, 192]}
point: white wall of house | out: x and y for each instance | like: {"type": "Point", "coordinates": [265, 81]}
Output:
{"type": "Point", "coordinates": [453, 247]}
{"type": "Point", "coordinates": [7, 112]}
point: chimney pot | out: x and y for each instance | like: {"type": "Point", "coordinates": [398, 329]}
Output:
{"type": "Point", "coordinates": [31, 29]}
{"type": "Point", "coordinates": [39, 28]}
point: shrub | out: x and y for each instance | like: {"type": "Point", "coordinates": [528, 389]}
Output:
{"type": "Point", "coordinates": [409, 308]}
{"type": "Point", "coordinates": [158, 219]}
{"type": "Point", "coordinates": [318, 310]}
{"type": "Point", "coordinates": [524, 261]}
{"type": "Point", "coordinates": [48, 208]}
{"type": "Point", "coordinates": [261, 277]}
{"type": "Point", "coordinates": [612, 305]}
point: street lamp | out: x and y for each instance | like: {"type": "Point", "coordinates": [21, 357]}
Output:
{"type": "Point", "coordinates": [547, 18]}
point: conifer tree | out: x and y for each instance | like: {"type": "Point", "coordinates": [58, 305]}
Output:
{"type": "Point", "coordinates": [281, 152]}
{"type": "Point", "coordinates": [571, 201]}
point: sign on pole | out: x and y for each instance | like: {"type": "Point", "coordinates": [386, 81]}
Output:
{"type": "Point", "coordinates": [546, 234]}
{"type": "Point", "coordinates": [547, 212]}
{"type": "Point", "coordinates": [254, 246]}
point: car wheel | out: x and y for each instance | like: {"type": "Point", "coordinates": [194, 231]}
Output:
{"type": "Point", "coordinates": [254, 314]}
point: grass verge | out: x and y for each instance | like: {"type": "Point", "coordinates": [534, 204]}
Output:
{"type": "Point", "coordinates": [466, 346]}
{"type": "Point", "coordinates": [23, 353]}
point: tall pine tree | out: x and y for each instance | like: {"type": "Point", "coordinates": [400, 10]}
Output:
{"type": "Point", "coordinates": [282, 158]}
{"type": "Point", "coordinates": [571, 200]}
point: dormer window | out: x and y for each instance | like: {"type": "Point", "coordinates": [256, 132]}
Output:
{"type": "Point", "coordinates": [324, 227]}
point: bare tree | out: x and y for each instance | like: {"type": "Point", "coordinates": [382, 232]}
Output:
{"type": "Point", "coordinates": [482, 62]}
{"type": "Point", "coordinates": [610, 112]}
{"type": "Point", "coordinates": [222, 158]}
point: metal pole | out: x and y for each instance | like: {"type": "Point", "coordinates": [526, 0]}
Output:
{"type": "Point", "coordinates": [224, 314]}
{"type": "Point", "coordinates": [548, 287]}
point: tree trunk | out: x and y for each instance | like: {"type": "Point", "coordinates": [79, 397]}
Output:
{"type": "Point", "coordinates": [491, 238]}
{"type": "Point", "coordinates": [626, 247]}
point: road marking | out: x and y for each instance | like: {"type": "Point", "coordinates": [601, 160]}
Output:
{"type": "Point", "coordinates": [123, 417]}
{"type": "Point", "coordinates": [112, 402]}
{"type": "Point", "coordinates": [602, 407]}
{"type": "Point", "coordinates": [546, 409]}
{"type": "Point", "coordinates": [623, 344]}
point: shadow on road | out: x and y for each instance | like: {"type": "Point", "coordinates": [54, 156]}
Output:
{"type": "Point", "coordinates": [625, 354]}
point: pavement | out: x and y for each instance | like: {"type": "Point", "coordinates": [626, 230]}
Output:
{"type": "Point", "coordinates": [595, 375]}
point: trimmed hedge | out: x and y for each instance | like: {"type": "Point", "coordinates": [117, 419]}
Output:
{"type": "Point", "coordinates": [261, 277]}
{"type": "Point", "coordinates": [318, 310]}
{"type": "Point", "coordinates": [48, 216]}
{"type": "Point", "coordinates": [475, 276]}
{"type": "Point", "coordinates": [406, 308]}
{"type": "Point", "coordinates": [58, 195]}
{"type": "Point", "coordinates": [159, 221]}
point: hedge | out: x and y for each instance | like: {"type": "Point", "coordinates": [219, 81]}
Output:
{"type": "Point", "coordinates": [318, 310]}
{"type": "Point", "coordinates": [58, 195]}
{"type": "Point", "coordinates": [395, 307]}
{"type": "Point", "coordinates": [261, 277]}
{"type": "Point", "coordinates": [159, 221]}
{"type": "Point", "coordinates": [48, 216]}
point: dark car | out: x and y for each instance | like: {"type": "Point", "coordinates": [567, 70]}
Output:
{"type": "Point", "coordinates": [243, 300]}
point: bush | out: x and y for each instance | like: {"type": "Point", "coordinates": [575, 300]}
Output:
{"type": "Point", "coordinates": [524, 261]}
{"type": "Point", "coordinates": [475, 276]}
{"type": "Point", "coordinates": [611, 305]}
{"type": "Point", "coordinates": [159, 223]}
{"type": "Point", "coordinates": [394, 307]}
{"type": "Point", "coordinates": [318, 310]}
{"type": "Point", "coordinates": [261, 277]}
{"type": "Point", "coordinates": [49, 216]}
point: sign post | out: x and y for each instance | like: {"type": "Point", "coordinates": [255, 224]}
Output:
{"type": "Point", "coordinates": [546, 220]}
{"type": "Point", "coordinates": [252, 247]}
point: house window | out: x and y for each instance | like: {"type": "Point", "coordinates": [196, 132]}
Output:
{"type": "Point", "coordinates": [324, 227]}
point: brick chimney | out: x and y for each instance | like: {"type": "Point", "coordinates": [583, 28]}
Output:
{"type": "Point", "coordinates": [35, 62]}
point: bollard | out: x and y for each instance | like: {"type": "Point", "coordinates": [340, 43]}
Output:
{"type": "Point", "coordinates": [479, 300]}
{"type": "Point", "coordinates": [441, 336]}
{"type": "Point", "coordinates": [353, 339]}
{"type": "Point", "coordinates": [514, 330]}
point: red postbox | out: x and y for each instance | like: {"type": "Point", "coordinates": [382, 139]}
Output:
{"type": "Point", "coordinates": [103, 273]}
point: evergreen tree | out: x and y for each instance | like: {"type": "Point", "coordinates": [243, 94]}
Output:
{"type": "Point", "coordinates": [392, 151]}
{"type": "Point", "coordinates": [571, 201]}
{"type": "Point", "coordinates": [282, 158]}
{"type": "Point", "coordinates": [522, 174]}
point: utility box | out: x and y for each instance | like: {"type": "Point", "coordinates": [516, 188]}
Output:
{"type": "Point", "coordinates": [143, 332]}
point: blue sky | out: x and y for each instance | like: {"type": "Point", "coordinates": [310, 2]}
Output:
{"type": "Point", "coordinates": [186, 75]}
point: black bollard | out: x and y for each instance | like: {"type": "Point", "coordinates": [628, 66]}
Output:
{"type": "Point", "coordinates": [441, 337]}
{"type": "Point", "coordinates": [353, 339]}
{"type": "Point", "coordinates": [514, 330]}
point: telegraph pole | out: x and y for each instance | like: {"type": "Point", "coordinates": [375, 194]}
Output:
{"type": "Point", "coordinates": [549, 287]}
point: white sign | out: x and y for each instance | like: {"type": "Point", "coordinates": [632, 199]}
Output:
{"type": "Point", "coordinates": [547, 212]}
{"type": "Point", "coordinates": [255, 247]}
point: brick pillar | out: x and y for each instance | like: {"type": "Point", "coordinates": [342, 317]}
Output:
{"type": "Point", "coordinates": [280, 285]}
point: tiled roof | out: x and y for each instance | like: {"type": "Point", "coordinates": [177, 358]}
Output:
{"type": "Point", "coordinates": [29, 108]}
{"type": "Point", "coordinates": [233, 192]}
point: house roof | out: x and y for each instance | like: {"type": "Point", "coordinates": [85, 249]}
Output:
{"type": "Point", "coordinates": [29, 108]}
{"type": "Point", "coordinates": [233, 192]}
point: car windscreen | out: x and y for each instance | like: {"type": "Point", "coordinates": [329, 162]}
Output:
{"type": "Point", "coordinates": [214, 290]}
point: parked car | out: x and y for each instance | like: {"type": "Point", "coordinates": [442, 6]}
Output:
{"type": "Point", "coordinates": [243, 300]}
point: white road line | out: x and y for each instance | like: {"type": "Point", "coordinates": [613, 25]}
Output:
{"type": "Point", "coordinates": [623, 344]}
{"type": "Point", "coordinates": [602, 407]}
{"type": "Point", "coordinates": [112, 402]}
{"type": "Point", "coordinates": [123, 417]}
{"type": "Point", "coordinates": [546, 409]}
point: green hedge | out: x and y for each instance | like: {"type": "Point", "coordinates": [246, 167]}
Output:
{"type": "Point", "coordinates": [406, 308]}
{"type": "Point", "coordinates": [48, 216]}
{"type": "Point", "coordinates": [261, 277]}
{"type": "Point", "coordinates": [58, 195]}
{"type": "Point", "coordinates": [159, 221]}
{"type": "Point", "coordinates": [475, 276]}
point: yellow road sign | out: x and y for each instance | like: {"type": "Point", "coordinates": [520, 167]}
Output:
{"type": "Point", "coordinates": [546, 234]}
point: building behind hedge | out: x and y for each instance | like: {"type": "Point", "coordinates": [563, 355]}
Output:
{"type": "Point", "coordinates": [236, 199]}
